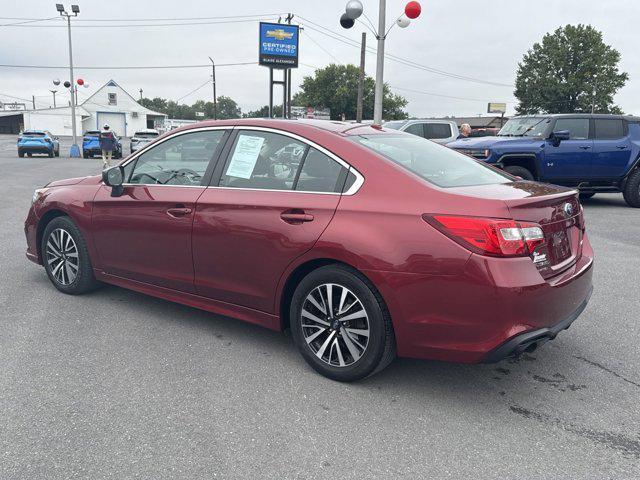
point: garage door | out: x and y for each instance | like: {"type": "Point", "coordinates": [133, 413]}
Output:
{"type": "Point", "coordinates": [115, 120]}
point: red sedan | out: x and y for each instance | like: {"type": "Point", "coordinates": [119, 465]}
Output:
{"type": "Point", "coordinates": [367, 243]}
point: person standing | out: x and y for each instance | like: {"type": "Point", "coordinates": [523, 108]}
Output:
{"type": "Point", "coordinates": [107, 145]}
{"type": "Point", "coordinates": [465, 131]}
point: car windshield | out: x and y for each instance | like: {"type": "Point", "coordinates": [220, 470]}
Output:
{"type": "Point", "coordinates": [394, 125]}
{"type": "Point", "coordinates": [434, 163]}
{"type": "Point", "coordinates": [525, 126]}
{"type": "Point", "coordinates": [145, 134]}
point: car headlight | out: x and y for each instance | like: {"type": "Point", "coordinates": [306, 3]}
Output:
{"type": "Point", "coordinates": [475, 153]}
{"type": "Point", "coordinates": [39, 192]}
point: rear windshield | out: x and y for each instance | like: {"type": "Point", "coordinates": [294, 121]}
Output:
{"type": "Point", "coordinates": [146, 134]}
{"type": "Point", "coordinates": [434, 163]}
{"type": "Point", "coordinates": [34, 134]}
{"type": "Point", "coordinates": [91, 134]}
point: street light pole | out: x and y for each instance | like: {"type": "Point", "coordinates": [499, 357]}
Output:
{"type": "Point", "coordinates": [379, 88]}
{"type": "Point", "coordinates": [75, 150]}
{"type": "Point", "coordinates": [54, 97]}
{"type": "Point", "coordinates": [213, 80]}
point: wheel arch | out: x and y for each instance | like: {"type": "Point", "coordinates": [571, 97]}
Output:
{"type": "Point", "coordinates": [46, 218]}
{"type": "Point", "coordinates": [526, 160]}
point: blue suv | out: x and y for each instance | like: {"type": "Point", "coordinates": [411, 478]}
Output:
{"type": "Point", "coordinates": [91, 145]}
{"type": "Point", "coordinates": [38, 141]}
{"type": "Point", "coordinates": [594, 153]}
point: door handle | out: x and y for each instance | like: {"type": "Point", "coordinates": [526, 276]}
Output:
{"type": "Point", "coordinates": [621, 147]}
{"type": "Point", "coordinates": [296, 217]}
{"type": "Point", "coordinates": [585, 147]}
{"type": "Point", "coordinates": [178, 211]}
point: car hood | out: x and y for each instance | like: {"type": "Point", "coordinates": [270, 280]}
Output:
{"type": "Point", "coordinates": [491, 142]}
{"type": "Point", "coordinates": [90, 180]}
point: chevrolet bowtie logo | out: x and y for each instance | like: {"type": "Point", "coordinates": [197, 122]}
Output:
{"type": "Point", "coordinates": [279, 34]}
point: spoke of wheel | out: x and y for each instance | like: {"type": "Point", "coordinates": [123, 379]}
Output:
{"type": "Point", "coordinates": [70, 275]}
{"type": "Point", "coordinates": [72, 255]}
{"type": "Point", "coordinates": [57, 268]}
{"type": "Point", "coordinates": [330, 297]}
{"type": "Point", "coordinates": [315, 303]}
{"type": "Point", "coordinates": [339, 352]}
{"type": "Point", "coordinates": [355, 315]}
{"type": "Point", "coordinates": [55, 241]}
{"type": "Point", "coordinates": [343, 297]}
{"type": "Point", "coordinates": [324, 346]}
{"type": "Point", "coordinates": [51, 246]}
{"type": "Point", "coordinates": [351, 347]}
{"type": "Point", "coordinates": [311, 316]}
{"type": "Point", "coordinates": [353, 339]}
{"type": "Point", "coordinates": [313, 336]}
{"type": "Point", "coordinates": [358, 331]}
{"type": "Point", "coordinates": [67, 240]}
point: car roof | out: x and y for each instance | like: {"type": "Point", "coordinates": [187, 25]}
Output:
{"type": "Point", "coordinates": [584, 115]}
{"type": "Point", "coordinates": [295, 126]}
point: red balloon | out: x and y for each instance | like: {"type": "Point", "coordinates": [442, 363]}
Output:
{"type": "Point", "coordinates": [412, 10]}
{"type": "Point", "coordinates": [80, 82]}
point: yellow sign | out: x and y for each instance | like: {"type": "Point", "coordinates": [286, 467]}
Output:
{"type": "Point", "coordinates": [497, 108]}
{"type": "Point", "coordinates": [279, 34]}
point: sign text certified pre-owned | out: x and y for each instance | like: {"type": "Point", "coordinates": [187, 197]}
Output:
{"type": "Point", "coordinates": [278, 45]}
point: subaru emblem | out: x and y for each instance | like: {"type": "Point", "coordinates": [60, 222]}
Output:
{"type": "Point", "coordinates": [568, 209]}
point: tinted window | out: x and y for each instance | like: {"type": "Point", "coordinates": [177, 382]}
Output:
{"type": "Point", "coordinates": [319, 173]}
{"type": "Point", "coordinates": [416, 129]}
{"type": "Point", "coordinates": [578, 127]}
{"type": "Point", "coordinates": [609, 128]}
{"type": "Point", "coordinates": [181, 160]}
{"type": "Point", "coordinates": [263, 160]}
{"type": "Point", "coordinates": [435, 163]}
{"type": "Point", "coordinates": [437, 130]}
{"type": "Point", "coordinates": [394, 124]}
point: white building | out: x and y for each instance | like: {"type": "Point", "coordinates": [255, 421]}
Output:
{"type": "Point", "coordinates": [111, 105]}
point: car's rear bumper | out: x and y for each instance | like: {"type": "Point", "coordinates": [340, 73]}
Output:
{"type": "Point", "coordinates": [469, 317]}
{"type": "Point", "coordinates": [36, 148]}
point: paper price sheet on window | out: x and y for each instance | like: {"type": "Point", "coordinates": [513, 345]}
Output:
{"type": "Point", "coordinates": [245, 156]}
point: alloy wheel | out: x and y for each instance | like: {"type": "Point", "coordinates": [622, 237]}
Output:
{"type": "Point", "coordinates": [62, 256]}
{"type": "Point", "coordinates": [335, 325]}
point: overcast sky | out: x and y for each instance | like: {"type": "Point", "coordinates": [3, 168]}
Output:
{"type": "Point", "coordinates": [480, 39]}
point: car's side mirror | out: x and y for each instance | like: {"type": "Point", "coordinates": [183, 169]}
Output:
{"type": "Point", "coordinates": [114, 178]}
{"type": "Point", "coordinates": [560, 135]}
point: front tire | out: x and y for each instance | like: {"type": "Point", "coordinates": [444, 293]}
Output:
{"type": "Point", "coordinates": [340, 324]}
{"type": "Point", "coordinates": [519, 171]}
{"type": "Point", "coordinates": [66, 258]}
{"type": "Point", "coordinates": [632, 190]}
{"type": "Point", "coordinates": [586, 195]}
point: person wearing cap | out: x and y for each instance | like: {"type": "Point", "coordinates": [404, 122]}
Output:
{"type": "Point", "coordinates": [107, 145]}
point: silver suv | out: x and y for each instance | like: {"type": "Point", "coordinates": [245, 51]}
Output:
{"type": "Point", "coordinates": [440, 131]}
{"type": "Point", "coordinates": [142, 137]}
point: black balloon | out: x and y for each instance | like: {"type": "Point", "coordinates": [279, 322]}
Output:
{"type": "Point", "coordinates": [346, 22]}
{"type": "Point", "coordinates": [67, 84]}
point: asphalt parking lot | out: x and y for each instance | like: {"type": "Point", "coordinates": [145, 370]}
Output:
{"type": "Point", "coordinates": [116, 384]}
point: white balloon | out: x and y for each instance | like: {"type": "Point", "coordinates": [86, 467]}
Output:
{"type": "Point", "coordinates": [86, 85]}
{"type": "Point", "coordinates": [56, 82]}
{"type": "Point", "coordinates": [354, 9]}
{"type": "Point", "coordinates": [403, 21]}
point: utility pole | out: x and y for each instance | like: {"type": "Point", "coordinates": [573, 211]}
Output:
{"type": "Point", "coordinates": [595, 91]}
{"type": "Point", "coordinates": [213, 80]}
{"type": "Point", "coordinates": [288, 79]}
{"type": "Point", "coordinates": [140, 94]}
{"type": "Point", "coordinates": [379, 89]}
{"type": "Point", "coordinates": [75, 150]}
{"type": "Point", "coordinates": [54, 97]}
{"type": "Point", "coordinates": [33, 99]}
{"type": "Point", "coordinates": [363, 48]}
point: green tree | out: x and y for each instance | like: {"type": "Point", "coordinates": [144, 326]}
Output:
{"type": "Point", "coordinates": [263, 112]}
{"type": "Point", "coordinates": [336, 87]}
{"type": "Point", "coordinates": [227, 108]}
{"type": "Point", "coordinates": [569, 70]}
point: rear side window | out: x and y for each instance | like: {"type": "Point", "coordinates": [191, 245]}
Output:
{"type": "Point", "coordinates": [319, 173]}
{"type": "Point", "coordinates": [437, 130]}
{"type": "Point", "coordinates": [609, 129]}
{"type": "Point", "coordinates": [434, 163]}
{"type": "Point", "coordinates": [578, 127]}
{"type": "Point", "coordinates": [415, 129]}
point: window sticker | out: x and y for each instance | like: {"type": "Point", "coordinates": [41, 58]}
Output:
{"type": "Point", "coordinates": [245, 156]}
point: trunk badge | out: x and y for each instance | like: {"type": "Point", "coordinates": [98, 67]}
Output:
{"type": "Point", "coordinates": [568, 209]}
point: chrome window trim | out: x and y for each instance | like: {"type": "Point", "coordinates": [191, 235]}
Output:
{"type": "Point", "coordinates": [351, 191]}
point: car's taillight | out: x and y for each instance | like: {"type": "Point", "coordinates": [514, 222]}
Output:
{"type": "Point", "coordinates": [490, 236]}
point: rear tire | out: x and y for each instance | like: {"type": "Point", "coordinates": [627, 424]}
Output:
{"type": "Point", "coordinates": [66, 258]}
{"type": "Point", "coordinates": [632, 190]}
{"type": "Point", "coordinates": [586, 195]}
{"type": "Point", "coordinates": [519, 171]}
{"type": "Point", "coordinates": [343, 350]}
{"type": "Point", "coordinates": [20, 153]}
{"type": "Point", "coordinates": [29, 155]}
{"type": "Point", "coordinates": [57, 153]}
{"type": "Point", "coordinates": [85, 155]}
{"type": "Point", "coordinates": [51, 154]}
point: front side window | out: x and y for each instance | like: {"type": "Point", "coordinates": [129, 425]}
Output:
{"type": "Point", "coordinates": [263, 160]}
{"type": "Point", "coordinates": [436, 131]}
{"type": "Point", "coordinates": [609, 129]}
{"type": "Point", "coordinates": [181, 160]}
{"type": "Point", "coordinates": [434, 163]}
{"type": "Point", "coordinates": [578, 127]}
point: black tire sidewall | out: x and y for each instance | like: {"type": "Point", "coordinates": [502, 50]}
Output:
{"type": "Point", "coordinates": [85, 280]}
{"type": "Point", "coordinates": [518, 171]}
{"type": "Point", "coordinates": [377, 338]}
{"type": "Point", "coordinates": [632, 190]}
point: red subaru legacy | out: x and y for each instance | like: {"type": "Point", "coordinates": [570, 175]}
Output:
{"type": "Point", "coordinates": [367, 243]}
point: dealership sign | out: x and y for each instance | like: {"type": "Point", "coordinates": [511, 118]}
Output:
{"type": "Point", "coordinates": [278, 45]}
{"type": "Point", "coordinates": [497, 108]}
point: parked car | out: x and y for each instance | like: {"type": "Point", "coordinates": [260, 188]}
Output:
{"type": "Point", "coordinates": [142, 138]}
{"type": "Point", "coordinates": [440, 131]}
{"type": "Point", "coordinates": [594, 153]}
{"type": "Point", "coordinates": [366, 242]}
{"type": "Point", "coordinates": [38, 141]}
{"type": "Point", "coordinates": [91, 145]}
{"type": "Point", "coordinates": [484, 132]}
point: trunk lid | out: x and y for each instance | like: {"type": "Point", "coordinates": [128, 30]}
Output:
{"type": "Point", "coordinates": [557, 211]}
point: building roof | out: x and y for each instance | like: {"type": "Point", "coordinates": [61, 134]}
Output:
{"type": "Point", "coordinates": [47, 111]}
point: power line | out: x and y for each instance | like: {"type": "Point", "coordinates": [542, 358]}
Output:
{"type": "Point", "coordinates": [130, 67]}
{"type": "Point", "coordinates": [306, 34]}
{"type": "Point", "coordinates": [218, 17]}
{"type": "Point", "coordinates": [136, 25]}
{"type": "Point", "coordinates": [193, 91]}
{"type": "Point", "coordinates": [25, 21]}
